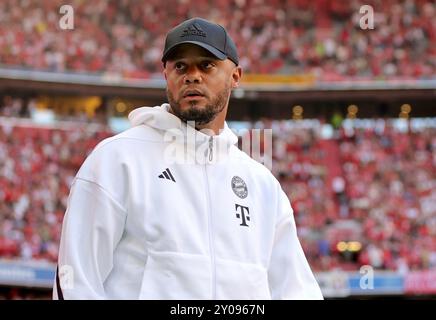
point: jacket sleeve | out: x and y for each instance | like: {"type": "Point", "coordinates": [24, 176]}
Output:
{"type": "Point", "coordinates": [92, 227]}
{"type": "Point", "coordinates": [289, 273]}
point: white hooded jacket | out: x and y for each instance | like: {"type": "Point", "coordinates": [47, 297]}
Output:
{"type": "Point", "coordinates": [158, 213]}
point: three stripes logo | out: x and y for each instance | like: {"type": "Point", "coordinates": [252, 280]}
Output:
{"type": "Point", "coordinates": [193, 30]}
{"type": "Point", "coordinates": [166, 174]}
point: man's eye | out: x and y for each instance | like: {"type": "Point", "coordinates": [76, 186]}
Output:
{"type": "Point", "coordinates": [179, 66]}
{"type": "Point", "coordinates": [207, 65]}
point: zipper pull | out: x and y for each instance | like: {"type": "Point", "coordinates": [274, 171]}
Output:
{"type": "Point", "coordinates": [210, 149]}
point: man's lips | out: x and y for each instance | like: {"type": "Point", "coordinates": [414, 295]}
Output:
{"type": "Point", "coordinates": [190, 98]}
{"type": "Point", "coordinates": [193, 94]}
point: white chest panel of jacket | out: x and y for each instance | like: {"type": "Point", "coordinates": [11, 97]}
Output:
{"type": "Point", "coordinates": [142, 224]}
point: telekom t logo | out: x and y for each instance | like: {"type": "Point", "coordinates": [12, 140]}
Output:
{"type": "Point", "coordinates": [243, 214]}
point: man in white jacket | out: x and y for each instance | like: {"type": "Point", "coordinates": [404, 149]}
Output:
{"type": "Point", "coordinates": [171, 208]}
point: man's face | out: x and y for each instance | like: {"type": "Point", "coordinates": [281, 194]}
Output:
{"type": "Point", "coordinates": [199, 84]}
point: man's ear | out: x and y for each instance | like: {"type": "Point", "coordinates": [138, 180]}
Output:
{"type": "Point", "coordinates": [236, 76]}
{"type": "Point", "coordinates": [165, 71]}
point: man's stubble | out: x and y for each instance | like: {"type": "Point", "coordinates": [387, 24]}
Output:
{"type": "Point", "coordinates": [201, 115]}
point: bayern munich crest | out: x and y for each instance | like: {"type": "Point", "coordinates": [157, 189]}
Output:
{"type": "Point", "coordinates": [239, 187]}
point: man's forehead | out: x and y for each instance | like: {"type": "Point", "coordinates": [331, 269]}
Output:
{"type": "Point", "coordinates": [188, 50]}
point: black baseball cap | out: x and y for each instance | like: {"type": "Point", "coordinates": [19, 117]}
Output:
{"type": "Point", "coordinates": [210, 36]}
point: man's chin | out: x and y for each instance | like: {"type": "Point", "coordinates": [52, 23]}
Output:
{"type": "Point", "coordinates": [200, 113]}
{"type": "Point", "coordinates": [192, 105]}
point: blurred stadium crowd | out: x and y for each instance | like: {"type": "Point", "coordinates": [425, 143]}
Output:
{"type": "Point", "coordinates": [374, 186]}
{"type": "Point", "coordinates": [383, 186]}
{"type": "Point", "coordinates": [362, 196]}
{"type": "Point", "coordinates": [321, 37]}
{"type": "Point", "coordinates": [37, 166]}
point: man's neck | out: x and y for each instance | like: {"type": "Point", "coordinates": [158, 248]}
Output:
{"type": "Point", "coordinates": [214, 126]}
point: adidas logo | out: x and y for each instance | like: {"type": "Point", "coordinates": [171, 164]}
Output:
{"type": "Point", "coordinates": [193, 30]}
{"type": "Point", "coordinates": [167, 175]}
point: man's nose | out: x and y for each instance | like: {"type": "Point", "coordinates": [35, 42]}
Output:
{"type": "Point", "coordinates": [193, 75]}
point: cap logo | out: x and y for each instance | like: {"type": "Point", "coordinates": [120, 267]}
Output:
{"type": "Point", "coordinates": [193, 30]}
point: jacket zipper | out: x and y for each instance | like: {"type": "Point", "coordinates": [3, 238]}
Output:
{"type": "Point", "coordinates": [210, 224]}
{"type": "Point", "coordinates": [210, 149]}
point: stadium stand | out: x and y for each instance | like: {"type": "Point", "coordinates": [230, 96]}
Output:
{"type": "Point", "coordinates": [388, 182]}
{"type": "Point", "coordinates": [363, 195]}
{"type": "Point", "coordinates": [37, 166]}
{"type": "Point", "coordinates": [282, 37]}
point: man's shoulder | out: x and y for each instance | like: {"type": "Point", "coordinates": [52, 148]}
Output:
{"type": "Point", "coordinates": [252, 165]}
{"type": "Point", "coordinates": [130, 137]}
{"type": "Point", "coordinates": [125, 146]}
{"type": "Point", "coordinates": [122, 149]}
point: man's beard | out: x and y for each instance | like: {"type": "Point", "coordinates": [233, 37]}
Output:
{"type": "Point", "coordinates": [201, 115]}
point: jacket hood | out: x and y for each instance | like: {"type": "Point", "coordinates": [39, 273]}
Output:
{"type": "Point", "coordinates": [157, 117]}
{"type": "Point", "coordinates": [168, 124]}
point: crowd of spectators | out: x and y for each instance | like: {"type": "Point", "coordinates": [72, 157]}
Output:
{"type": "Point", "coordinates": [37, 166]}
{"type": "Point", "coordinates": [391, 189]}
{"type": "Point", "coordinates": [322, 37]}
{"type": "Point", "coordinates": [384, 197]}
{"type": "Point", "coordinates": [298, 163]}
{"type": "Point", "coordinates": [386, 194]}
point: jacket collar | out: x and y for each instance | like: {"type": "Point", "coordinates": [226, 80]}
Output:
{"type": "Point", "coordinates": [185, 143]}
